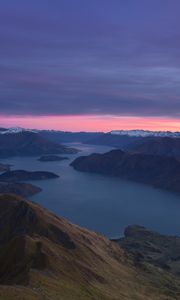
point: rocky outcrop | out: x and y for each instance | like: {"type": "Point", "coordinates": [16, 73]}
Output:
{"type": "Point", "coordinates": [152, 247]}
{"type": "Point", "coordinates": [21, 175]}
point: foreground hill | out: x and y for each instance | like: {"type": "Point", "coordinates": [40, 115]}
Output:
{"type": "Point", "coordinates": [28, 143]}
{"type": "Point", "coordinates": [43, 257]}
{"type": "Point", "coordinates": [159, 171]}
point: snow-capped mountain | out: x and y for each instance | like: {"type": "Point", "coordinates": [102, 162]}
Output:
{"type": "Point", "coordinates": [145, 133]}
{"type": "Point", "coordinates": [16, 130]}
{"type": "Point", "coordinates": [131, 133]}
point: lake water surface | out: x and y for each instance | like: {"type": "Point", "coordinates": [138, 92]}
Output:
{"type": "Point", "coordinates": [106, 205]}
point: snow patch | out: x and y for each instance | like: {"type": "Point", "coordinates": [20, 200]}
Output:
{"type": "Point", "coordinates": [145, 133]}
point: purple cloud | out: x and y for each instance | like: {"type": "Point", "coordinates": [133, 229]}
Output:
{"type": "Point", "coordinates": [72, 57]}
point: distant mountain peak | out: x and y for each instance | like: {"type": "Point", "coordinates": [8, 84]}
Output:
{"type": "Point", "coordinates": [17, 130]}
{"type": "Point", "coordinates": [145, 133]}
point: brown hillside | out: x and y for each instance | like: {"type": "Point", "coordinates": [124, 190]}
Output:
{"type": "Point", "coordinates": [46, 257]}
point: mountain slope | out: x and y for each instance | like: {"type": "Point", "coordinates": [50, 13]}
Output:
{"type": "Point", "coordinates": [29, 144]}
{"type": "Point", "coordinates": [159, 171]}
{"type": "Point", "coordinates": [46, 257]}
{"type": "Point", "coordinates": [159, 146]}
{"type": "Point", "coordinates": [68, 137]}
{"type": "Point", "coordinates": [115, 140]}
{"type": "Point", "coordinates": [137, 141]}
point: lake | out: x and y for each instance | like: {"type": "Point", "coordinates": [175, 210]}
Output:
{"type": "Point", "coordinates": [103, 204]}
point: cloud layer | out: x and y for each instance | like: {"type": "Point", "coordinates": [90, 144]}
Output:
{"type": "Point", "coordinates": [93, 57]}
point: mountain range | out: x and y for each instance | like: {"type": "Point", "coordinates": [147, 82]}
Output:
{"type": "Point", "coordinates": [42, 142]}
{"type": "Point", "coordinates": [146, 133]}
{"type": "Point", "coordinates": [134, 132]}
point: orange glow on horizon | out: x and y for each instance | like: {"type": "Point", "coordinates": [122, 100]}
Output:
{"type": "Point", "coordinates": [91, 122]}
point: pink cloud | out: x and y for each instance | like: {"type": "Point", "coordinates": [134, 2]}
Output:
{"type": "Point", "coordinates": [91, 122]}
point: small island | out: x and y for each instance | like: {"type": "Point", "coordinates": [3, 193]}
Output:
{"type": "Point", "coordinates": [19, 188]}
{"type": "Point", "coordinates": [22, 175]}
{"type": "Point", "coordinates": [47, 158]}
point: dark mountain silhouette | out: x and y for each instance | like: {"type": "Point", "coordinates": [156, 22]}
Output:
{"type": "Point", "coordinates": [164, 146]}
{"type": "Point", "coordinates": [115, 141]}
{"type": "Point", "coordinates": [159, 171]}
{"type": "Point", "coordinates": [68, 137]}
{"type": "Point", "coordinates": [29, 144]}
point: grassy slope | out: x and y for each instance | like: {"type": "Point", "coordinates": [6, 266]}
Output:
{"type": "Point", "coordinates": [96, 269]}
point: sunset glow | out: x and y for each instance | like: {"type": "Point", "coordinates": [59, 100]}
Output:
{"type": "Point", "coordinates": [94, 67]}
{"type": "Point", "coordinates": [91, 122]}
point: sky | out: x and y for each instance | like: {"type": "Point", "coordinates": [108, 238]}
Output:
{"type": "Point", "coordinates": [90, 65]}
